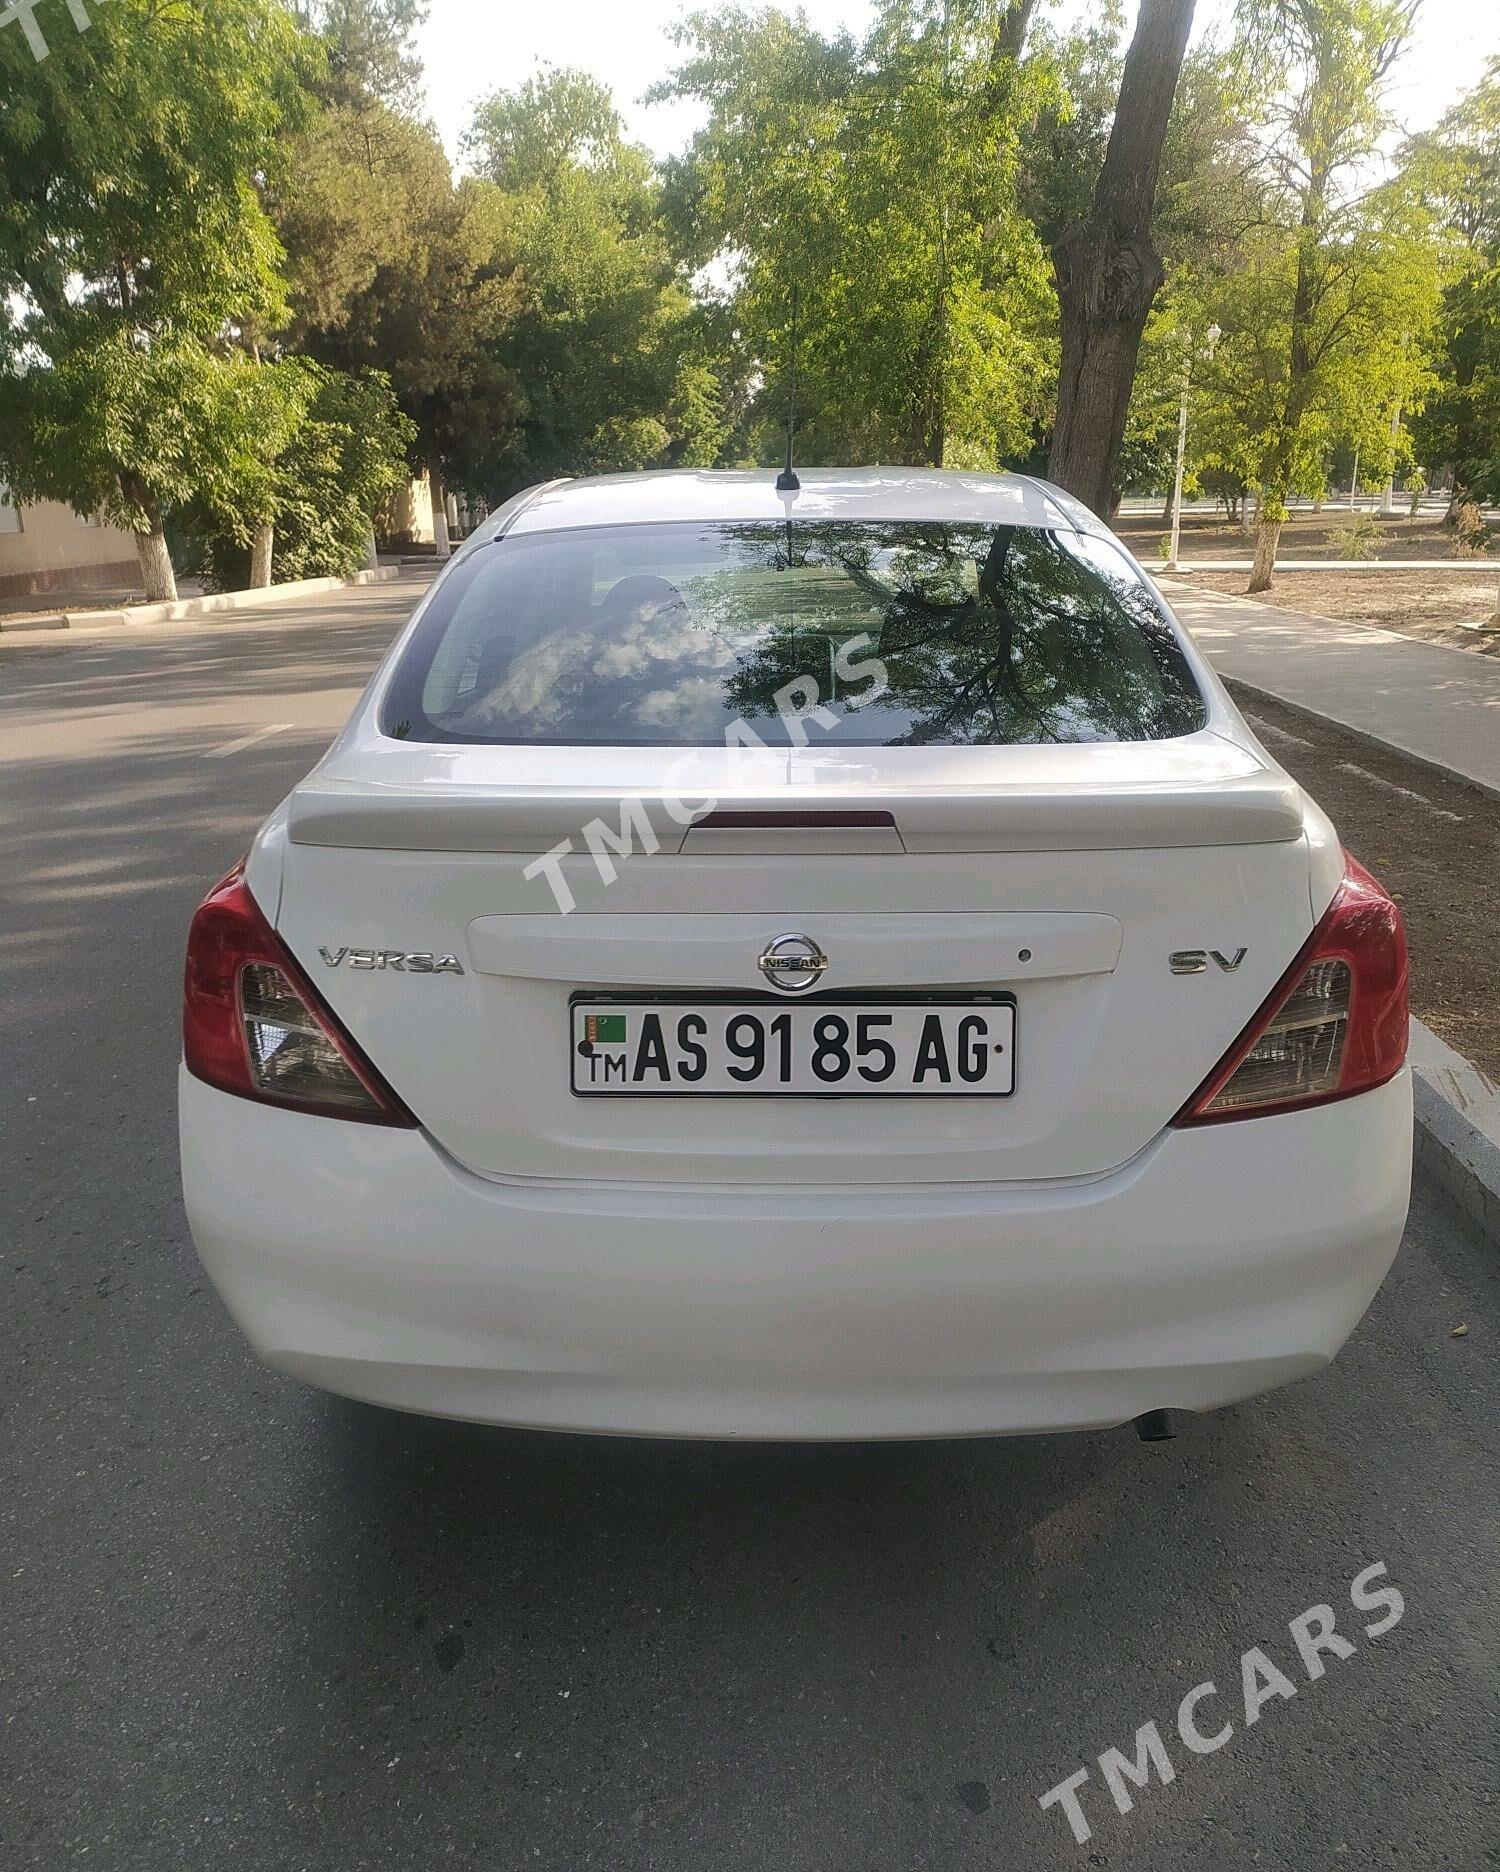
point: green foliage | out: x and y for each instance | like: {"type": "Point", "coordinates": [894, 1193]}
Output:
{"type": "Point", "coordinates": [364, 198]}
{"type": "Point", "coordinates": [1204, 195]}
{"type": "Point", "coordinates": [1148, 454]}
{"type": "Point", "coordinates": [369, 47]}
{"type": "Point", "coordinates": [1287, 383]}
{"type": "Point", "coordinates": [556, 122]}
{"type": "Point", "coordinates": [602, 341]}
{"type": "Point", "coordinates": [1328, 308]}
{"type": "Point", "coordinates": [134, 432]}
{"type": "Point", "coordinates": [324, 476]}
{"type": "Point", "coordinates": [696, 415]}
{"type": "Point", "coordinates": [395, 268]}
{"type": "Point", "coordinates": [129, 161]}
{"type": "Point", "coordinates": [1458, 168]}
{"type": "Point", "coordinates": [1362, 538]}
{"type": "Point", "coordinates": [1209, 200]}
{"type": "Point", "coordinates": [131, 429]}
{"type": "Point", "coordinates": [876, 183]}
{"type": "Point", "coordinates": [189, 189]}
{"type": "Point", "coordinates": [133, 243]}
{"type": "Point", "coordinates": [1063, 142]}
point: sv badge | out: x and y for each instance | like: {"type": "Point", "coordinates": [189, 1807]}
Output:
{"type": "Point", "coordinates": [1196, 961]}
{"type": "Point", "coordinates": [404, 961]}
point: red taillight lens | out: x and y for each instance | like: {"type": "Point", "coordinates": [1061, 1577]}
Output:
{"type": "Point", "coordinates": [254, 1025]}
{"type": "Point", "coordinates": [1335, 1024]}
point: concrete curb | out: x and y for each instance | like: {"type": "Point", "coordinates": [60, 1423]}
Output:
{"type": "Point", "coordinates": [1458, 1128]}
{"type": "Point", "coordinates": [186, 608]}
{"type": "Point", "coordinates": [1238, 685]}
{"type": "Point", "coordinates": [1457, 1106]}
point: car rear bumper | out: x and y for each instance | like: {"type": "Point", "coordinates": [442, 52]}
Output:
{"type": "Point", "coordinates": [1220, 1262]}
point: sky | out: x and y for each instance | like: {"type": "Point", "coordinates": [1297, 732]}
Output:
{"type": "Point", "coordinates": [472, 47]}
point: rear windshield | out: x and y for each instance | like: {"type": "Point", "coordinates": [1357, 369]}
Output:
{"type": "Point", "coordinates": [868, 634]}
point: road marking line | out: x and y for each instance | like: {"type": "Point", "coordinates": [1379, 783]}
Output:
{"type": "Point", "coordinates": [1262, 726]}
{"type": "Point", "coordinates": [247, 741]}
{"type": "Point", "coordinates": [1363, 773]}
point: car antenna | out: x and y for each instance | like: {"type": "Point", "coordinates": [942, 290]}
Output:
{"type": "Point", "coordinates": [786, 481]}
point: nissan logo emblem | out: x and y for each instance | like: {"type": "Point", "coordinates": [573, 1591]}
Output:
{"type": "Point", "coordinates": [792, 963]}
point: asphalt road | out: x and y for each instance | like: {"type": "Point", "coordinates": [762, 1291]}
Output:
{"type": "Point", "coordinates": [247, 1626]}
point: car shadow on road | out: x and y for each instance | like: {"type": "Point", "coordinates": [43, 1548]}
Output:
{"type": "Point", "coordinates": [899, 1647]}
{"type": "Point", "coordinates": [885, 1602]}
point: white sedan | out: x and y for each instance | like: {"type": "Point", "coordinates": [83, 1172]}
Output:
{"type": "Point", "coordinates": [830, 963]}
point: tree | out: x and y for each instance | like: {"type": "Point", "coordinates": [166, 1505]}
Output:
{"type": "Point", "coordinates": [1032, 651]}
{"type": "Point", "coordinates": [133, 244]}
{"type": "Point", "coordinates": [609, 356]}
{"type": "Point", "coordinates": [1171, 348]}
{"type": "Point", "coordinates": [1457, 169]}
{"type": "Point", "coordinates": [874, 182]}
{"type": "Point", "coordinates": [1207, 201]}
{"type": "Point", "coordinates": [1108, 269]}
{"type": "Point", "coordinates": [370, 52]}
{"type": "Point", "coordinates": [339, 448]}
{"type": "Point", "coordinates": [393, 267]}
{"type": "Point", "coordinates": [556, 122]}
{"type": "Point", "coordinates": [1326, 317]}
{"type": "Point", "coordinates": [133, 429]}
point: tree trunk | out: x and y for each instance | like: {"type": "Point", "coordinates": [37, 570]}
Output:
{"type": "Point", "coordinates": [1010, 42]}
{"type": "Point", "coordinates": [442, 544]}
{"type": "Point", "coordinates": [372, 551]}
{"type": "Point", "coordinates": [1267, 537]}
{"type": "Point", "coordinates": [1108, 270]}
{"type": "Point", "coordinates": [262, 549]}
{"type": "Point", "coordinates": [156, 566]}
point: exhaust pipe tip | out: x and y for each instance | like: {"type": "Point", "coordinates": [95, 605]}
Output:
{"type": "Point", "coordinates": [1155, 1426]}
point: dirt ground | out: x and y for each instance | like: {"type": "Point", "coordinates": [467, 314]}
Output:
{"type": "Point", "coordinates": [1306, 535]}
{"type": "Point", "coordinates": [1434, 844]}
{"type": "Point", "coordinates": [1445, 607]}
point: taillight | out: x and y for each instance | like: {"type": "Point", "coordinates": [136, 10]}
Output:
{"type": "Point", "coordinates": [254, 1025]}
{"type": "Point", "coordinates": [1335, 1024]}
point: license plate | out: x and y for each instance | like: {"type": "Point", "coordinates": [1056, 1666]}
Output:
{"type": "Point", "coordinates": [733, 1048]}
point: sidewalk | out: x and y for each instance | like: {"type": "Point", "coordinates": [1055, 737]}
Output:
{"type": "Point", "coordinates": [183, 608]}
{"type": "Point", "coordinates": [1438, 705]}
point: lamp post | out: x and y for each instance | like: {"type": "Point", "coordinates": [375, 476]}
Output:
{"type": "Point", "coordinates": [1388, 505]}
{"type": "Point", "coordinates": [1213, 335]}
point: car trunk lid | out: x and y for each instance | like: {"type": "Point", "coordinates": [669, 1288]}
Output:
{"type": "Point", "coordinates": [1063, 877]}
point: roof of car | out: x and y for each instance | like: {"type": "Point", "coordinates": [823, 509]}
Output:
{"type": "Point", "coordinates": [741, 494]}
